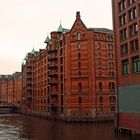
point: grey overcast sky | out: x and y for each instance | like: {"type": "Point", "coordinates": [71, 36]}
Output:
{"type": "Point", "coordinates": [26, 23]}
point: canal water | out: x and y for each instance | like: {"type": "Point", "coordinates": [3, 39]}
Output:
{"type": "Point", "coordinates": [20, 127]}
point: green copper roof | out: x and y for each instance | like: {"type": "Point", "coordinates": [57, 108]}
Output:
{"type": "Point", "coordinates": [102, 30]}
{"type": "Point", "coordinates": [60, 29]}
{"type": "Point", "coordinates": [47, 40]}
{"type": "Point", "coordinates": [33, 51]}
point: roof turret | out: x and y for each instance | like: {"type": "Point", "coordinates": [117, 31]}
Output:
{"type": "Point", "coordinates": [60, 29]}
{"type": "Point", "coordinates": [33, 51]}
{"type": "Point", "coordinates": [47, 39]}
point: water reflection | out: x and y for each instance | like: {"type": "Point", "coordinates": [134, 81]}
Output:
{"type": "Point", "coordinates": [18, 127]}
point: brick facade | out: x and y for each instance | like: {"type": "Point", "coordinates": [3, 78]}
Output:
{"type": "Point", "coordinates": [74, 77]}
{"type": "Point", "coordinates": [126, 22]}
{"type": "Point", "coordinates": [10, 89]}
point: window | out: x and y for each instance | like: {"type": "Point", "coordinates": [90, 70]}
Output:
{"type": "Point", "coordinates": [136, 65]}
{"type": "Point", "coordinates": [99, 64]}
{"type": "Point", "coordinates": [99, 55]}
{"type": "Point", "coordinates": [112, 108]}
{"type": "Point", "coordinates": [61, 43]}
{"type": "Point", "coordinates": [112, 73]}
{"type": "Point", "coordinates": [122, 5]}
{"type": "Point", "coordinates": [61, 68]}
{"type": "Point", "coordinates": [100, 73]}
{"type": "Point", "coordinates": [79, 87]}
{"type": "Point", "coordinates": [61, 51]}
{"type": "Point", "coordinates": [112, 65]}
{"type": "Point", "coordinates": [78, 46]}
{"type": "Point", "coordinates": [100, 86]}
{"type": "Point", "coordinates": [61, 77]}
{"type": "Point", "coordinates": [111, 86]}
{"type": "Point", "coordinates": [132, 14]}
{"type": "Point", "coordinates": [110, 47]}
{"type": "Point", "coordinates": [61, 87]}
{"type": "Point", "coordinates": [98, 46]}
{"type": "Point", "coordinates": [125, 67]}
{"type": "Point", "coordinates": [79, 65]}
{"type": "Point", "coordinates": [133, 29]}
{"type": "Point", "coordinates": [101, 99]}
{"type": "Point", "coordinates": [131, 1]}
{"type": "Point", "coordinates": [122, 19]}
{"type": "Point", "coordinates": [80, 100]}
{"type": "Point", "coordinates": [61, 60]}
{"type": "Point", "coordinates": [61, 99]}
{"type": "Point", "coordinates": [124, 49]}
{"type": "Point", "coordinates": [48, 100]}
{"type": "Point", "coordinates": [112, 99]}
{"type": "Point", "coordinates": [108, 55]}
{"type": "Point", "coordinates": [78, 36]}
{"type": "Point", "coordinates": [123, 34]}
{"type": "Point", "coordinates": [109, 65]}
{"type": "Point", "coordinates": [79, 55]}
{"type": "Point", "coordinates": [134, 45]}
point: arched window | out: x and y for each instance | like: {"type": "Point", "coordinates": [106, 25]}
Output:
{"type": "Point", "coordinates": [101, 99]}
{"type": "Point", "coordinates": [78, 36]}
{"type": "Point", "coordinates": [78, 46]}
{"type": "Point", "coordinates": [111, 86]}
{"type": "Point", "coordinates": [112, 99]}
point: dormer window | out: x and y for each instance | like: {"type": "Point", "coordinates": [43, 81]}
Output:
{"type": "Point", "coordinates": [78, 36]}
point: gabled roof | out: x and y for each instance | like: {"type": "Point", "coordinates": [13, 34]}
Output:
{"type": "Point", "coordinates": [78, 17]}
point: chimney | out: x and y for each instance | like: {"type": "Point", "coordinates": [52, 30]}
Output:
{"type": "Point", "coordinates": [78, 14]}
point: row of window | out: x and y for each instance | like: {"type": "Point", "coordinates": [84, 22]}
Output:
{"type": "Point", "coordinates": [132, 14]}
{"type": "Point", "coordinates": [110, 65]}
{"type": "Point", "coordinates": [133, 30]}
{"type": "Point", "coordinates": [110, 74]}
{"type": "Point", "coordinates": [78, 37]}
{"type": "Point", "coordinates": [124, 3]}
{"type": "Point", "coordinates": [112, 99]}
{"type": "Point", "coordinates": [101, 37]}
{"type": "Point", "coordinates": [109, 46]}
{"type": "Point", "coordinates": [134, 46]}
{"type": "Point", "coordinates": [135, 64]}
{"type": "Point", "coordinates": [111, 86]}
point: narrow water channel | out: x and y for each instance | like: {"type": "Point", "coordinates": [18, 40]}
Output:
{"type": "Point", "coordinates": [20, 127]}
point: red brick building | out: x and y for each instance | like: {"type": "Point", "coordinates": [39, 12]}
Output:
{"type": "Point", "coordinates": [126, 21]}
{"type": "Point", "coordinates": [74, 77]}
{"type": "Point", "coordinates": [10, 89]}
{"type": "Point", "coordinates": [3, 89]}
